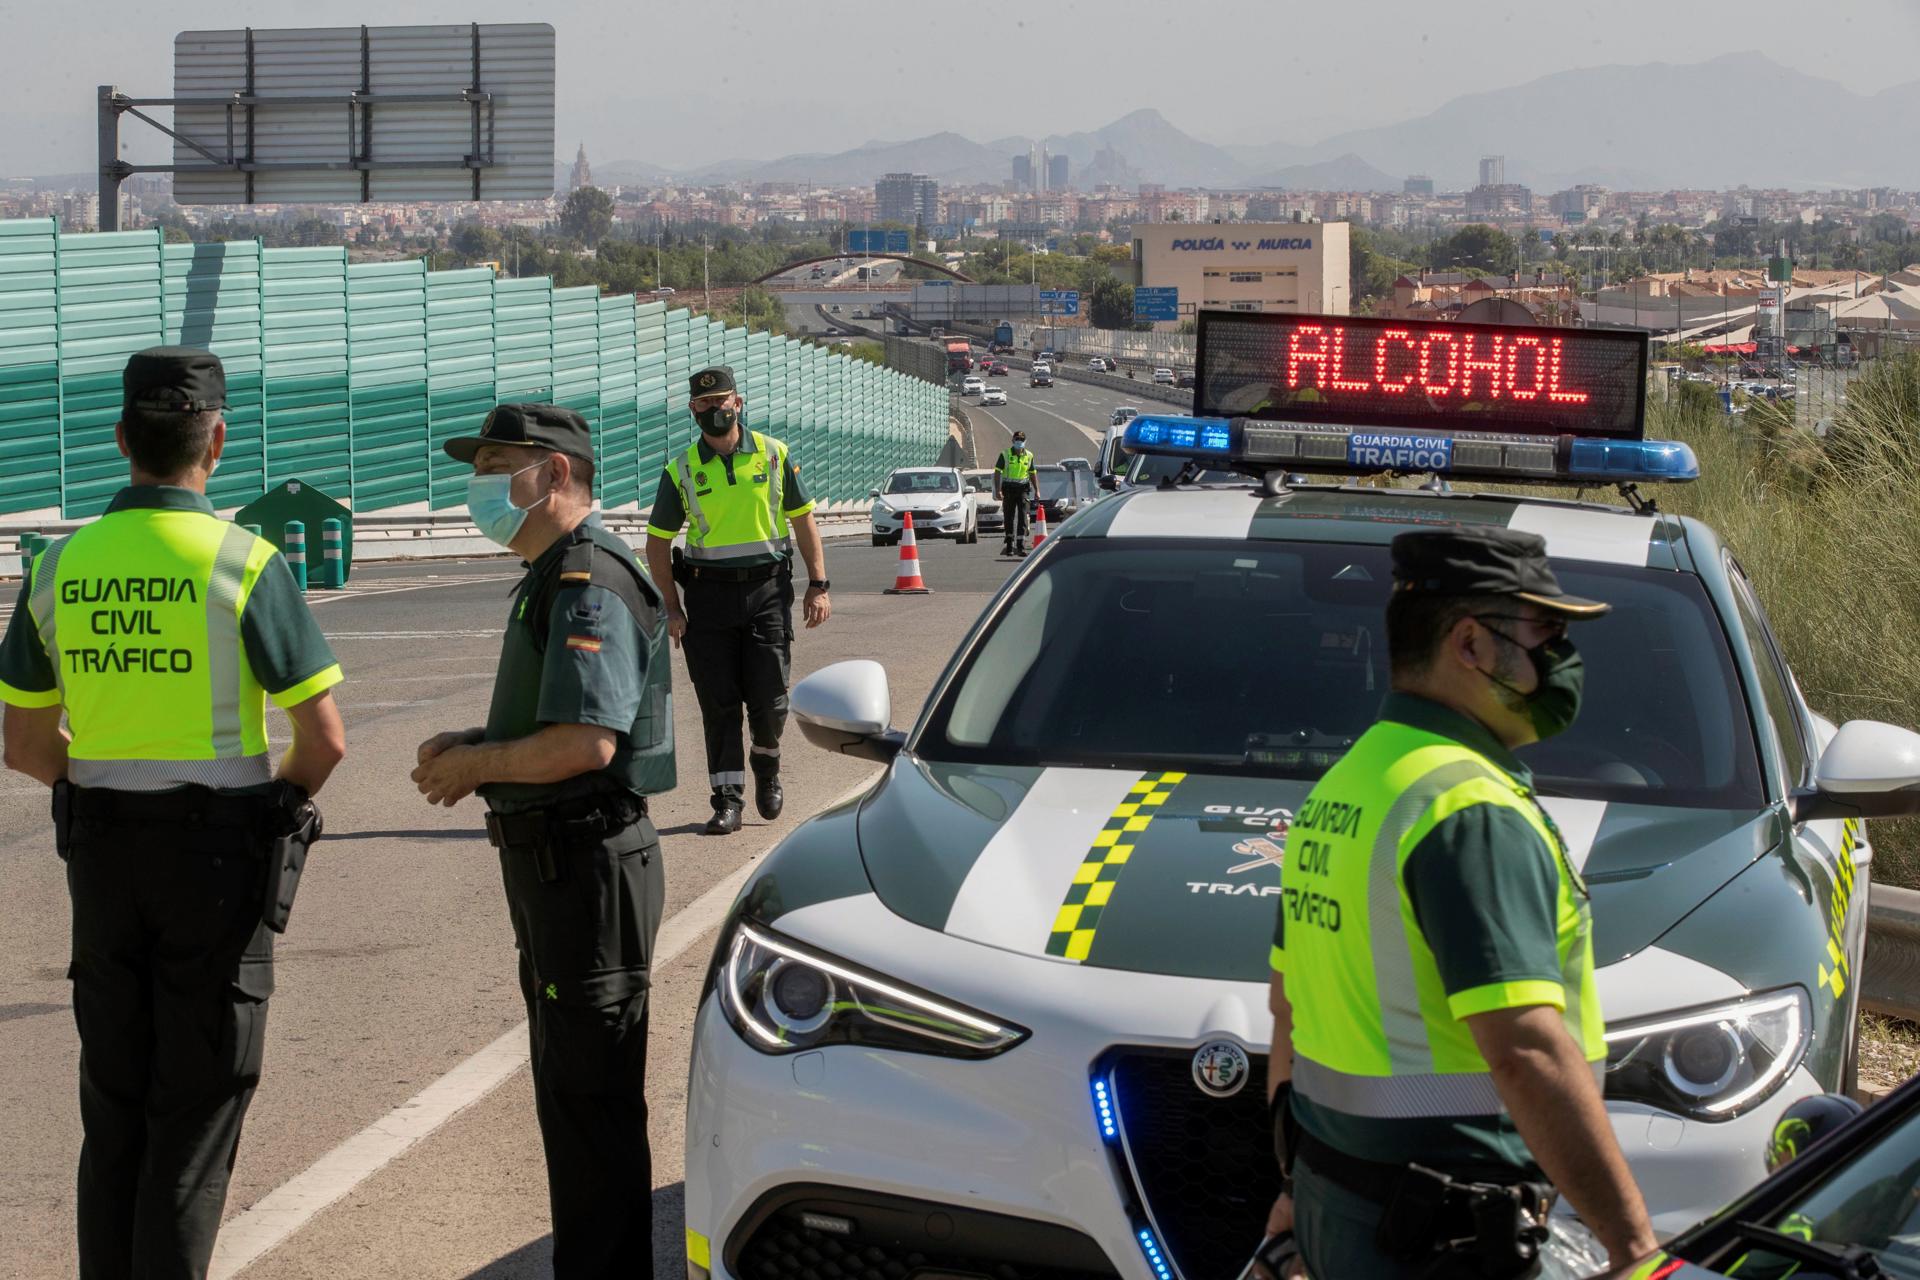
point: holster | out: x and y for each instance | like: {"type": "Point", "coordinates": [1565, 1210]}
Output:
{"type": "Point", "coordinates": [63, 818]}
{"type": "Point", "coordinates": [1500, 1225]}
{"type": "Point", "coordinates": [680, 566]}
{"type": "Point", "coordinates": [287, 858]}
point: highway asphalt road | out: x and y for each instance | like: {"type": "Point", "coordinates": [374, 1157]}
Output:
{"type": "Point", "coordinates": [1066, 420]}
{"type": "Point", "coordinates": [396, 979]}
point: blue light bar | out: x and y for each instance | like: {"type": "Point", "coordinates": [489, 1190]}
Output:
{"type": "Point", "coordinates": [1103, 1113]}
{"type": "Point", "coordinates": [1155, 1258]}
{"type": "Point", "coordinates": [1257, 446]}
{"type": "Point", "coordinates": [1633, 460]}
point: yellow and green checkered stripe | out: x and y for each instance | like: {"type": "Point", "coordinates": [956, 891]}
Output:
{"type": "Point", "coordinates": [1087, 897]}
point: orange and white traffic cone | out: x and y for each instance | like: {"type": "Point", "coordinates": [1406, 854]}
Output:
{"type": "Point", "coordinates": [1039, 525]}
{"type": "Point", "coordinates": [909, 583]}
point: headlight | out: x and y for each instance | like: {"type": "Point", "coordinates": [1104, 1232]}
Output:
{"type": "Point", "coordinates": [951, 506]}
{"type": "Point", "coordinates": [783, 997]}
{"type": "Point", "coordinates": [1711, 1063]}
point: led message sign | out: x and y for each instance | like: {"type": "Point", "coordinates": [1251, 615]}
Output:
{"type": "Point", "coordinates": [1364, 372]}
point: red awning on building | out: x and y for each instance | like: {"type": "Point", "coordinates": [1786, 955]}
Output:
{"type": "Point", "coordinates": [1729, 348]}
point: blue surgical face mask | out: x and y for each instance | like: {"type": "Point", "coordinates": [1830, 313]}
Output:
{"type": "Point", "coordinates": [490, 503]}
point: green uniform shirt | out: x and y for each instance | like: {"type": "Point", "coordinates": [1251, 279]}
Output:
{"type": "Point", "coordinates": [285, 648]}
{"type": "Point", "coordinates": [594, 671]}
{"type": "Point", "coordinates": [1484, 890]}
{"type": "Point", "coordinates": [669, 514]}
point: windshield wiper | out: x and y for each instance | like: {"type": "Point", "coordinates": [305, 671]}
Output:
{"type": "Point", "coordinates": [1849, 1261]}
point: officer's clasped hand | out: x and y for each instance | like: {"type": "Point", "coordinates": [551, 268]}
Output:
{"type": "Point", "coordinates": [444, 776]}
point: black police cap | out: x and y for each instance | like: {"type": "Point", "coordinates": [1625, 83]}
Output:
{"type": "Point", "coordinates": [536, 426]}
{"type": "Point", "coordinates": [715, 381]}
{"type": "Point", "coordinates": [1484, 561]}
{"type": "Point", "coordinates": [174, 380]}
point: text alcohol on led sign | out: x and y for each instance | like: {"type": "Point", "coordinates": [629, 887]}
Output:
{"type": "Point", "coordinates": [1365, 372]}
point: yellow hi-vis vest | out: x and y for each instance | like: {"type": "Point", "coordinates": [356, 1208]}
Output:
{"type": "Point", "coordinates": [1017, 467]}
{"type": "Point", "coordinates": [743, 518]}
{"type": "Point", "coordinates": [140, 615]}
{"type": "Point", "coordinates": [1373, 1032]}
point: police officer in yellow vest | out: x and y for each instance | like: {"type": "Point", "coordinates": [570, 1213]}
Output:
{"type": "Point", "coordinates": [738, 493]}
{"type": "Point", "coordinates": [1013, 486]}
{"type": "Point", "coordinates": [160, 630]}
{"type": "Point", "coordinates": [1437, 1039]}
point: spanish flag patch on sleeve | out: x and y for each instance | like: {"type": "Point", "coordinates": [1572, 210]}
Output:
{"type": "Point", "coordinates": [584, 644]}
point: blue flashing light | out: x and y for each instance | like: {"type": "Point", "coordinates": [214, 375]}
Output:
{"type": "Point", "coordinates": [1103, 1112]}
{"type": "Point", "coordinates": [1625, 460]}
{"type": "Point", "coordinates": [1257, 447]}
{"type": "Point", "coordinates": [1155, 1258]}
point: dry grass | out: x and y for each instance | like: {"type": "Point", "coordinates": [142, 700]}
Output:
{"type": "Point", "coordinates": [1829, 533]}
{"type": "Point", "coordinates": [1889, 1052]}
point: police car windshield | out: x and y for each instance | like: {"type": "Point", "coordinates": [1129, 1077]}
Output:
{"type": "Point", "coordinates": [1270, 658]}
{"type": "Point", "coordinates": [923, 482]}
{"type": "Point", "coordinates": [1155, 467]}
{"type": "Point", "coordinates": [1872, 1200]}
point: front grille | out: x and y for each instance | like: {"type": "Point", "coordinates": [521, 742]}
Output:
{"type": "Point", "coordinates": [868, 1236]}
{"type": "Point", "coordinates": [1203, 1165]}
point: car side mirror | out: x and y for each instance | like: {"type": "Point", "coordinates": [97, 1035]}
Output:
{"type": "Point", "coordinates": [1110, 482]}
{"type": "Point", "coordinates": [873, 493]}
{"type": "Point", "coordinates": [846, 708]}
{"type": "Point", "coordinates": [1869, 770]}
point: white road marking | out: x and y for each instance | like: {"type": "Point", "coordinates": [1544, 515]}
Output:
{"type": "Point", "coordinates": [296, 1202]}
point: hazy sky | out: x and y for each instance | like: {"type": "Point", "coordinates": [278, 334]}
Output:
{"type": "Point", "coordinates": [681, 84]}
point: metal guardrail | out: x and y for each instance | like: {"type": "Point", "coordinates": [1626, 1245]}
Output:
{"type": "Point", "coordinates": [1890, 973]}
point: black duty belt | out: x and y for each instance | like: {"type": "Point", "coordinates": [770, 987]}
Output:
{"type": "Point", "coordinates": [584, 818]}
{"type": "Point", "coordinates": [1372, 1180]}
{"type": "Point", "coordinates": [697, 572]}
{"type": "Point", "coordinates": [192, 806]}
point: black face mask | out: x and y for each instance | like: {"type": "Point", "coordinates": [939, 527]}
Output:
{"type": "Point", "coordinates": [718, 421]}
{"type": "Point", "coordinates": [1560, 676]}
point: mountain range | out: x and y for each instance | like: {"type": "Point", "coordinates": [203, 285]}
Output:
{"type": "Point", "coordinates": [1741, 118]}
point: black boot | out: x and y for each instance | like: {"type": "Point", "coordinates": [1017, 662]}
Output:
{"type": "Point", "coordinates": [768, 798]}
{"type": "Point", "coordinates": [726, 816]}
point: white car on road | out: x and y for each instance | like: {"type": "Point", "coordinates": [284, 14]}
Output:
{"type": "Point", "coordinates": [993, 395]}
{"type": "Point", "coordinates": [972, 385]}
{"type": "Point", "coordinates": [1163, 377]}
{"type": "Point", "coordinates": [941, 503]}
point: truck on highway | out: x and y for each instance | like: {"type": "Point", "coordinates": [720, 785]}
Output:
{"type": "Point", "coordinates": [1002, 338]}
{"type": "Point", "coordinates": [959, 355]}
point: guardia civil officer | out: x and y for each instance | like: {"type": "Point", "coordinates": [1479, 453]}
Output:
{"type": "Point", "coordinates": [579, 734]}
{"type": "Point", "coordinates": [739, 496]}
{"type": "Point", "coordinates": [159, 630]}
{"type": "Point", "coordinates": [1433, 992]}
{"type": "Point", "coordinates": [1013, 486]}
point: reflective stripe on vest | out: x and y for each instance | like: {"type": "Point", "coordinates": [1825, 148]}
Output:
{"type": "Point", "coordinates": [1016, 466]}
{"type": "Point", "coordinates": [140, 614]}
{"type": "Point", "coordinates": [1373, 1034]}
{"type": "Point", "coordinates": [734, 521]}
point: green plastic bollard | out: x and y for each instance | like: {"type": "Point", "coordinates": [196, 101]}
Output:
{"type": "Point", "coordinates": [295, 549]}
{"type": "Point", "coordinates": [31, 545]}
{"type": "Point", "coordinates": [253, 529]}
{"type": "Point", "coordinates": [333, 569]}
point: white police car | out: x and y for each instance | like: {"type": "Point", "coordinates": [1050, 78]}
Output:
{"type": "Point", "coordinates": [1005, 1014]}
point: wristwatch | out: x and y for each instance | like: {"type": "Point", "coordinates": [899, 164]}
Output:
{"type": "Point", "coordinates": [818, 584]}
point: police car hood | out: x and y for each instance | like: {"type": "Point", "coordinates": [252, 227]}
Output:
{"type": "Point", "coordinates": [1178, 874]}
